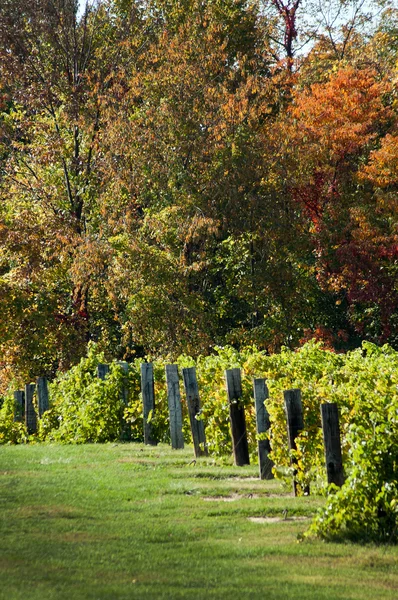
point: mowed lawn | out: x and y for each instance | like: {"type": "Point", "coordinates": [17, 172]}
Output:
{"type": "Point", "coordinates": [122, 521]}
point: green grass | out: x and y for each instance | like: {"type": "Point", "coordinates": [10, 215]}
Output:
{"type": "Point", "coordinates": [126, 521]}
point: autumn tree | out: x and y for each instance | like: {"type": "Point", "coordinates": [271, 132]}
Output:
{"type": "Point", "coordinates": [335, 126]}
{"type": "Point", "coordinates": [197, 207]}
{"type": "Point", "coordinates": [55, 68]}
{"type": "Point", "coordinates": [176, 175]}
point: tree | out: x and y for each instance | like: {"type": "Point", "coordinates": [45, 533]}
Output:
{"type": "Point", "coordinates": [333, 27]}
{"type": "Point", "coordinates": [194, 160]}
{"type": "Point", "coordinates": [187, 144]}
{"type": "Point", "coordinates": [56, 66]}
{"type": "Point", "coordinates": [335, 126]}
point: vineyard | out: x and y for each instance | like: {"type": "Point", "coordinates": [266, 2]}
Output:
{"type": "Point", "coordinates": [199, 299]}
{"type": "Point", "coordinates": [363, 383]}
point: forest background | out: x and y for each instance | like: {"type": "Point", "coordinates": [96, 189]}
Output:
{"type": "Point", "coordinates": [176, 175]}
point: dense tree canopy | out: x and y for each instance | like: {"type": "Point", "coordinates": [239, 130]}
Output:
{"type": "Point", "coordinates": [176, 175]}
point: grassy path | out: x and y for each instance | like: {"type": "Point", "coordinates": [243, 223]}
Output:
{"type": "Point", "coordinates": [127, 522]}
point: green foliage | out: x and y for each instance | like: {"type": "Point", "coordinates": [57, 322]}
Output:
{"type": "Point", "coordinates": [85, 408]}
{"type": "Point", "coordinates": [133, 411]}
{"type": "Point", "coordinates": [214, 401]}
{"type": "Point", "coordinates": [366, 506]}
{"type": "Point", "coordinates": [363, 383]}
{"type": "Point", "coordinates": [312, 370]}
{"type": "Point", "coordinates": [11, 431]}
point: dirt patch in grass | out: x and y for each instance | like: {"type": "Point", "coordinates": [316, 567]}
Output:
{"type": "Point", "coordinates": [236, 496]}
{"type": "Point", "coordinates": [231, 498]}
{"type": "Point", "coordinates": [233, 478]}
{"type": "Point", "coordinates": [225, 477]}
{"type": "Point", "coordinates": [277, 519]}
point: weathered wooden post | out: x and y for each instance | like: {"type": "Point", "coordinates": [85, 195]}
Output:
{"type": "Point", "coordinates": [193, 402]}
{"type": "Point", "coordinates": [43, 402]}
{"type": "Point", "coordinates": [331, 438]}
{"type": "Point", "coordinates": [30, 413]}
{"type": "Point", "coordinates": [237, 417]}
{"type": "Point", "coordinates": [124, 394]}
{"type": "Point", "coordinates": [19, 397]}
{"type": "Point", "coordinates": [175, 408]}
{"type": "Point", "coordinates": [262, 424]}
{"type": "Point", "coordinates": [148, 400]}
{"type": "Point", "coordinates": [102, 371]}
{"type": "Point", "coordinates": [295, 424]}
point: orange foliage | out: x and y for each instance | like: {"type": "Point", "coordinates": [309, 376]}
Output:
{"type": "Point", "coordinates": [341, 116]}
{"type": "Point", "coordinates": [382, 169]}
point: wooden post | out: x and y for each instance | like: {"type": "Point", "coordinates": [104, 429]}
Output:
{"type": "Point", "coordinates": [295, 424]}
{"type": "Point", "coordinates": [102, 371]}
{"type": "Point", "coordinates": [43, 403]}
{"type": "Point", "coordinates": [30, 413]}
{"type": "Point", "coordinates": [148, 400]}
{"type": "Point", "coordinates": [237, 417]}
{"type": "Point", "coordinates": [331, 438]}
{"type": "Point", "coordinates": [125, 434]}
{"type": "Point", "coordinates": [19, 397]}
{"type": "Point", "coordinates": [175, 409]}
{"type": "Point", "coordinates": [262, 424]}
{"type": "Point", "coordinates": [124, 394]}
{"type": "Point", "coordinates": [193, 402]}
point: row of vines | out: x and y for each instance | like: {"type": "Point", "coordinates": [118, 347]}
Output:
{"type": "Point", "coordinates": [364, 384]}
